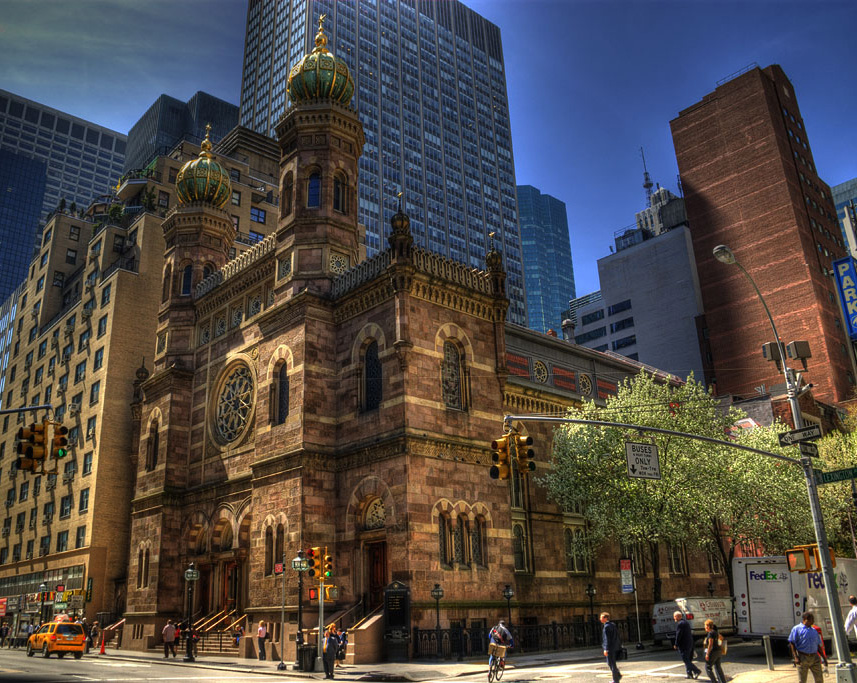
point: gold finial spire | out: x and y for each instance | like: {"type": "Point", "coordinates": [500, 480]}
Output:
{"type": "Point", "coordinates": [400, 201]}
{"type": "Point", "coordinates": [491, 241]}
{"type": "Point", "coordinates": [320, 38]}
{"type": "Point", "coordinates": [205, 146]}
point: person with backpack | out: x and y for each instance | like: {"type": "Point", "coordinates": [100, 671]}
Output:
{"type": "Point", "coordinates": [500, 635]}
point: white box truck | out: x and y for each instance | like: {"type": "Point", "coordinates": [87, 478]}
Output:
{"type": "Point", "coordinates": [696, 611]}
{"type": "Point", "coordinates": [769, 599]}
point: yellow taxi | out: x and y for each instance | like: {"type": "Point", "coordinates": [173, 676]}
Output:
{"type": "Point", "coordinates": [59, 637]}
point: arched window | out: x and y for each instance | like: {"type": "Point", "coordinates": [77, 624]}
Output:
{"type": "Point", "coordinates": [340, 194]}
{"type": "Point", "coordinates": [140, 568]}
{"type": "Point", "coordinates": [372, 377]}
{"type": "Point", "coordinates": [313, 191]}
{"type": "Point", "coordinates": [207, 270]}
{"type": "Point", "coordinates": [581, 564]}
{"type": "Point", "coordinates": [444, 540]}
{"type": "Point", "coordinates": [187, 276]}
{"type": "Point", "coordinates": [462, 533]}
{"type": "Point", "coordinates": [269, 551]}
{"type": "Point", "coordinates": [286, 195]}
{"type": "Point", "coordinates": [279, 541]}
{"type": "Point", "coordinates": [146, 569]}
{"type": "Point", "coordinates": [152, 446]}
{"type": "Point", "coordinates": [477, 541]}
{"type": "Point", "coordinates": [451, 376]}
{"type": "Point", "coordinates": [519, 548]}
{"type": "Point", "coordinates": [280, 395]}
{"type": "Point", "coordinates": [168, 272]}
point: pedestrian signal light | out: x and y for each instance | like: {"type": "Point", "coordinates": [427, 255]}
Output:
{"type": "Point", "coordinates": [313, 556]}
{"type": "Point", "coordinates": [328, 565]}
{"type": "Point", "coordinates": [331, 593]}
{"type": "Point", "coordinates": [313, 593]}
{"type": "Point", "coordinates": [501, 468]}
{"type": "Point", "coordinates": [805, 558]}
{"type": "Point", "coordinates": [524, 454]}
{"type": "Point", "coordinates": [59, 442]}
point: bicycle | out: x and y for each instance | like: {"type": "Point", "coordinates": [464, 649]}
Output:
{"type": "Point", "coordinates": [496, 661]}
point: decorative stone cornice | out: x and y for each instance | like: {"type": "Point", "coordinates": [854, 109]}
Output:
{"type": "Point", "coordinates": [166, 381]}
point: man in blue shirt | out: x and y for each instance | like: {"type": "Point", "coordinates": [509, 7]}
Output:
{"type": "Point", "coordinates": [611, 645]}
{"type": "Point", "coordinates": [805, 645]}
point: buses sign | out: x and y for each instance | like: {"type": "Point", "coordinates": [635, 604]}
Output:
{"type": "Point", "coordinates": [643, 462]}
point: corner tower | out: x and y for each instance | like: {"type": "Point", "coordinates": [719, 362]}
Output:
{"type": "Point", "coordinates": [198, 234]}
{"type": "Point", "coordinates": [321, 140]}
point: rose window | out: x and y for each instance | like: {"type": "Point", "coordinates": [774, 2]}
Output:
{"type": "Point", "coordinates": [234, 404]}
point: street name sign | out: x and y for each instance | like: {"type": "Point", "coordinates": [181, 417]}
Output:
{"type": "Point", "coordinates": [643, 462]}
{"type": "Point", "coordinates": [808, 449]}
{"type": "Point", "coordinates": [798, 435]}
{"type": "Point", "coordinates": [192, 575]}
{"type": "Point", "coordinates": [835, 475]}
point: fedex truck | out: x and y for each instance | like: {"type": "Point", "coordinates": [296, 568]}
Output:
{"type": "Point", "coordinates": [769, 599]}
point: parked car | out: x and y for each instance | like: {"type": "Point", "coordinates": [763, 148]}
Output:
{"type": "Point", "coordinates": [59, 637]}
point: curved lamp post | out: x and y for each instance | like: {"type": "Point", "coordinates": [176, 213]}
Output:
{"type": "Point", "coordinates": [508, 593]}
{"type": "Point", "coordinates": [845, 670]}
{"type": "Point", "coordinates": [590, 592]}
{"type": "Point", "coordinates": [437, 594]}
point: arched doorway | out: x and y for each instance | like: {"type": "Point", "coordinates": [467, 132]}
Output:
{"type": "Point", "coordinates": [373, 540]}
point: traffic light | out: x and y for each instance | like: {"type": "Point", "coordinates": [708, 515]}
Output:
{"type": "Point", "coordinates": [328, 565]}
{"type": "Point", "coordinates": [524, 454]}
{"type": "Point", "coordinates": [805, 558]}
{"type": "Point", "coordinates": [31, 446]}
{"type": "Point", "coordinates": [313, 556]}
{"type": "Point", "coordinates": [313, 593]}
{"type": "Point", "coordinates": [59, 442]}
{"type": "Point", "coordinates": [501, 469]}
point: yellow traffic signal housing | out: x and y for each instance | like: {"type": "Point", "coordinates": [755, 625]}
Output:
{"type": "Point", "coordinates": [524, 454]}
{"type": "Point", "coordinates": [328, 565]}
{"type": "Point", "coordinates": [59, 441]}
{"type": "Point", "coordinates": [804, 558]}
{"type": "Point", "coordinates": [331, 593]}
{"type": "Point", "coordinates": [38, 440]}
{"type": "Point", "coordinates": [314, 556]}
{"type": "Point", "coordinates": [501, 469]}
{"type": "Point", "coordinates": [31, 445]}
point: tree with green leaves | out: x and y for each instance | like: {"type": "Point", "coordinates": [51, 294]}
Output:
{"type": "Point", "coordinates": [710, 496]}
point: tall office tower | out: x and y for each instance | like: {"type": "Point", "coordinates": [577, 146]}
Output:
{"type": "Point", "coordinates": [845, 200]}
{"type": "Point", "coordinates": [431, 94]}
{"type": "Point", "coordinates": [22, 193]}
{"type": "Point", "coordinates": [83, 159]}
{"type": "Point", "coordinates": [169, 121]}
{"type": "Point", "coordinates": [750, 183]}
{"type": "Point", "coordinates": [548, 272]}
{"type": "Point", "coordinates": [648, 307]}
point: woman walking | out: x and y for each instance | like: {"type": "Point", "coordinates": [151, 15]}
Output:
{"type": "Point", "coordinates": [713, 653]}
{"type": "Point", "coordinates": [261, 635]}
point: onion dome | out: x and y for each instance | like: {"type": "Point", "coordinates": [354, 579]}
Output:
{"type": "Point", "coordinates": [320, 75]}
{"type": "Point", "coordinates": [203, 179]}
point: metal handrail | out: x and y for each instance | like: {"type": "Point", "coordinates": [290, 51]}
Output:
{"type": "Point", "coordinates": [359, 603]}
{"type": "Point", "coordinates": [368, 616]}
{"type": "Point", "coordinates": [225, 615]}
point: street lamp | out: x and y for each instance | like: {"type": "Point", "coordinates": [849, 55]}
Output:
{"type": "Point", "coordinates": [590, 591]}
{"type": "Point", "coordinates": [191, 575]}
{"type": "Point", "coordinates": [300, 565]}
{"type": "Point", "coordinates": [437, 594]}
{"type": "Point", "coordinates": [845, 670]}
{"type": "Point", "coordinates": [710, 589]}
{"type": "Point", "coordinates": [508, 593]}
{"type": "Point", "coordinates": [42, 590]}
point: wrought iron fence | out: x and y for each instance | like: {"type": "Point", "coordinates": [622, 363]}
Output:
{"type": "Point", "coordinates": [458, 643]}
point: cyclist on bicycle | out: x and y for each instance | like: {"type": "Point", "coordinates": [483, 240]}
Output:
{"type": "Point", "coordinates": [500, 635]}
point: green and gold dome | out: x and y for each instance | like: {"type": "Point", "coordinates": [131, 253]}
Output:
{"type": "Point", "coordinates": [203, 179]}
{"type": "Point", "coordinates": [320, 75]}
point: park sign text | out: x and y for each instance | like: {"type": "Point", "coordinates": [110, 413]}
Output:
{"type": "Point", "coordinates": [846, 285]}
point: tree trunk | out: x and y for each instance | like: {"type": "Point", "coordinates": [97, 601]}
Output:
{"type": "Point", "coordinates": [656, 571]}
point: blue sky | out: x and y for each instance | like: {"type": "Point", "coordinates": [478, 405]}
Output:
{"type": "Point", "coordinates": [589, 82]}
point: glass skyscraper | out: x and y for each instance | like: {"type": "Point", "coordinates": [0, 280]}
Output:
{"type": "Point", "coordinates": [22, 191]}
{"type": "Point", "coordinates": [83, 160]}
{"type": "Point", "coordinates": [431, 93]}
{"type": "Point", "coordinates": [169, 121]}
{"type": "Point", "coordinates": [548, 271]}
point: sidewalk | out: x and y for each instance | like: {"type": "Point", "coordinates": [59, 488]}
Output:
{"type": "Point", "coordinates": [421, 670]}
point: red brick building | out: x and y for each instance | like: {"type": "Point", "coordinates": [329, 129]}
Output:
{"type": "Point", "coordinates": [750, 182]}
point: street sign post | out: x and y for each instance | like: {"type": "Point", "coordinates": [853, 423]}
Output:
{"type": "Point", "coordinates": [643, 462]}
{"type": "Point", "coordinates": [835, 475]}
{"type": "Point", "coordinates": [191, 575]}
{"type": "Point", "coordinates": [808, 449]}
{"type": "Point", "coordinates": [278, 568]}
{"type": "Point", "coordinates": [797, 435]}
{"type": "Point", "coordinates": [626, 575]}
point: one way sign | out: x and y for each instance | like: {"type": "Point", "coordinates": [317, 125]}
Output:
{"type": "Point", "coordinates": [797, 435]}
